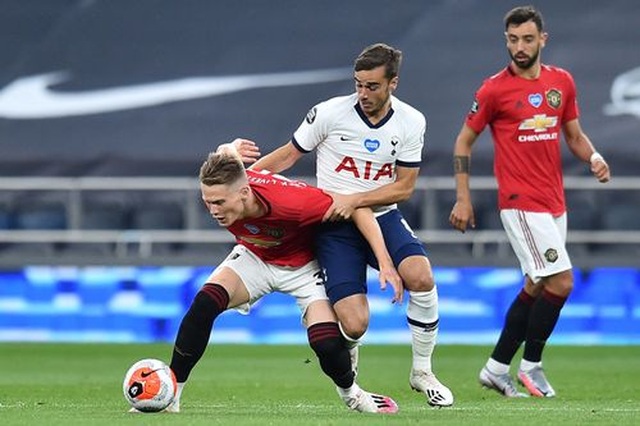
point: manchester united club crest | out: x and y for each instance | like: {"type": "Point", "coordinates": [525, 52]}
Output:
{"type": "Point", "coordinates": [554, 98]}
{"type": "Point", "coordinates": [551, 255]}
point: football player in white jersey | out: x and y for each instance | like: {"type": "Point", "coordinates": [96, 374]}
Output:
{"type": "Point", "coordinates": [369, 147]}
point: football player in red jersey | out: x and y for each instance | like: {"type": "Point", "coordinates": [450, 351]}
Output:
{"type": "Point", "coordinates": [527, 106]}
{"type": "Point", "coordinates": [273, 220]}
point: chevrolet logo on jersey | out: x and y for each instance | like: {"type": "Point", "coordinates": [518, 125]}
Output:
{"type": "Point", "coordinates": [539, 123]}
{"type": "Point", "coordinates": [260, 242]}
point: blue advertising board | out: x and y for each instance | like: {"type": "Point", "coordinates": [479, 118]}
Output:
{"type": "Point", "coordinates": [146, 304]}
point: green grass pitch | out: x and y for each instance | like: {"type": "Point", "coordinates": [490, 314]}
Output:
{"type": "Point", "coordinates": [73, 384]}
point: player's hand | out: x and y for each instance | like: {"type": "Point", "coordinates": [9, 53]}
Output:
{"type": "Point", "coordinates": [342, 208]}
{"type": "Point", "coordinates": [389, 275]}
{"type": "Point", "coordinates": [248, 150]}
{"type": "Point", "coordinates": [600, 170]}
{"type": "Point", "coordinates": [462, 216]}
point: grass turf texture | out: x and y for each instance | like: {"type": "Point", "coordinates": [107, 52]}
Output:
{"type": "Point", "coordinates": [71, 384]}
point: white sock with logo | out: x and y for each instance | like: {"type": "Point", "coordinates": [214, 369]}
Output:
{"type": "Point", "coordinates": [423, 308]}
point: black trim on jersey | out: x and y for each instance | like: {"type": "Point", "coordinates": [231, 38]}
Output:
{"type": "Point", "coordinates": [364, 117]}
{"type": "Point", "coordinates": [297, 145]}
{"type": "Point", "coordinates": [407, 164]}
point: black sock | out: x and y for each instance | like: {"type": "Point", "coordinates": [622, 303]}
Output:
{"type": "Point", "coordinates": [542, 320]}
{"type": "Point", "coordinates": [195, 329]}
{"type": "Point", "coordinates": [515, 328]}
{"type": "Point", "coordinates": [327, 342]}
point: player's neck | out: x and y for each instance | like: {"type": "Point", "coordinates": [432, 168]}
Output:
{"type": "Point", "coordinates": [376, 117]}
{"type": "Point", "coordinates": [254, 207]}
{"type": "Point", "coordinates": [531, 73]}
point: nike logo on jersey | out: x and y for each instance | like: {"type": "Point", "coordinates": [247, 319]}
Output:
{"type": "Point", "coordinates": [33, 98]}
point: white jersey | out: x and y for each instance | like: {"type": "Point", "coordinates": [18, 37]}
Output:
{"type": "Point", "coordinates": [354, 155]}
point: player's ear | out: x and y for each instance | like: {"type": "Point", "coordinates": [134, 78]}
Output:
{"type": "Point", "coordinates": [393, 83]}
{"type": "Point", "coordinates": [245, 191]}
{"type": "Point", "coordinates": [544, 37]}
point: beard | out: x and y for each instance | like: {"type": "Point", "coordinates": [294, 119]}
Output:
{"type": "Point", "coordinates": [373, 108]}
{"type": "Point", "coordinates": [526, 64]}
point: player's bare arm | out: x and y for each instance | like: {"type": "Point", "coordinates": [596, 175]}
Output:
{"type": "Point", "coordinates": [279, 160]}
{"type": "Point", "coordinates": [398, 191]}
{"type": "Point", "coordinates": [370, 229]}
{"type": "Point", "coordinates": [462, 214]}
{"type": "Point", "coordinates": [580, 145]}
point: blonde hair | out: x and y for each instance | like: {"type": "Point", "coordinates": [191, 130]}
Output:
{"type": "Point", "coordinates": [223, 167]}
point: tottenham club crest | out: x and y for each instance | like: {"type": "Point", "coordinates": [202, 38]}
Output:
{"type": "Point", "coordinates": [551, 255]}
{"type": "Point", "coordinates": [554, 98]}
{"type": "Point", "coordinates": [394, 143]}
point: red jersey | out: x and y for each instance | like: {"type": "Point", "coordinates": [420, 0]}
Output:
{"type": "Point", "coordinates": [284, 235]}
{"type": "Point", "coordinates": [526, 118]}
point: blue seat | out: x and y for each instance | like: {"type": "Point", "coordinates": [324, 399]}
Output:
{"type": "Point", "coordinates": [6, 217]}
{"type": "Point", "coordinates": [621, 217]}
{"type": "Point", "coordinates": [157, 216]}
{"type": "Point", "coordinates": [41, 216]}
{"type": "Point", "coordinates": [105, 217]}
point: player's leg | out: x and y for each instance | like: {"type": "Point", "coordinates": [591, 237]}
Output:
{"type": "Point", "coordinates": [341, 253]}
{"type": "Point", "coordinates": [542, 321]}
{"type": "Point", "coordinates": [538, 240]}
{"type": "Point", "coordinates": [225, 288]}
{"type": "Point", "coordinates": [495, 374]}
{"type": "Point", "coordinates": [555, 289]}
{"type": "Point", "coordinates": [328, 343]}
{"type": "Point", "coordinates": [414, 268]}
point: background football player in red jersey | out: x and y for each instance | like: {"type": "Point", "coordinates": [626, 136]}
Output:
{"type": "Point", "coordinates": [527, 106]}
{"type": "Point", "coordinates": [273, 220]}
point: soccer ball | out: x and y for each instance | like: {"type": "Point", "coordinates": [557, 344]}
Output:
{"type": "Point", "coordinates": [149, 385]}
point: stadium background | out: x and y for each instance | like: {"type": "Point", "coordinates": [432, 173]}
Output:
{"type": "Point", "coordinates": [127, 99]}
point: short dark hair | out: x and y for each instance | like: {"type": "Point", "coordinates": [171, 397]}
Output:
{"type": "Point", "coordinates": [377, 55]}
{"type": "Point", "coordinates": [522, 14]}
{"type": "Point", "coordinates": [221, 168]}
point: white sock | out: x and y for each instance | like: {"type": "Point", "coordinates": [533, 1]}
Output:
{"type": "Point", "coordinates": [496, 367]}
{"type": "Point", "coordinates": [529, 365]}
{"type": "Point", "coordinates": [423, 308]}
{"type": "Point", "coordinates": [351, 342]}
{"type": "Point", "coordinates": [349, 392]}
{"type": "Point", "coordinates": [176, 399]}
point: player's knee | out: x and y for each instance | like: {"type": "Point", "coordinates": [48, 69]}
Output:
{"type": "Point", "coordinates": [354, 328]}
{"type": "Point", "coordinates": [560, 284]}
{"type": "Point", "coordinates": [209, 301]}
{"type": "Point", "coordinates": [419, 282]}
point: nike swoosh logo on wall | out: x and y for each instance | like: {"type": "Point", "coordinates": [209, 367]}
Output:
{"type": "Point", "coordinates": [32, 97]}
{"type": "Point", "coordinates": [625, 94]}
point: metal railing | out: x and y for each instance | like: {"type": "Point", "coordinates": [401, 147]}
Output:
{"type": "Point", "coordinates": [73, 190]}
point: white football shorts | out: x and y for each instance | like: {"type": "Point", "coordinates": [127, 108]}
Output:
{"type": "Point", "coordinates": [538, 240]}
{"type": "Point", "coordinates": [304, 283]}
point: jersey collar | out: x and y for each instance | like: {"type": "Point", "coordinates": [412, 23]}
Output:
{"type": "Point", "coordinates": [364, 117]}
